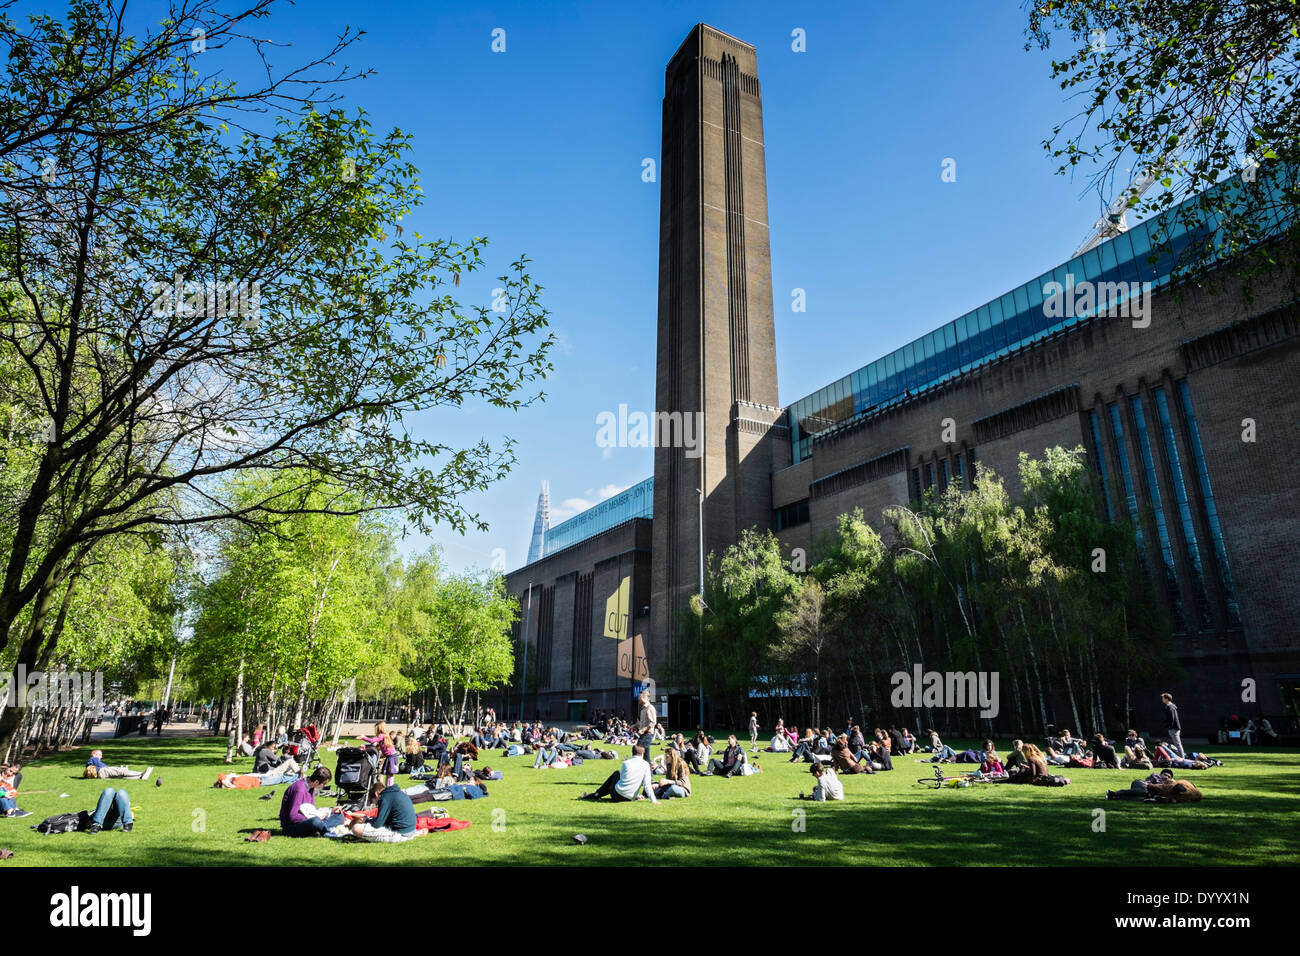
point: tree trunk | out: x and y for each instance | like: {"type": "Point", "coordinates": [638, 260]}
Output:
{"type": "Point", "coordinates": [237, 732]}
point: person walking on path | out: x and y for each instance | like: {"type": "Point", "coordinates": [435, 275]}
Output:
{"type": "Point", "coordinates": [645, 723]}
{"type": "Point", "coordinates": [1173, 727]}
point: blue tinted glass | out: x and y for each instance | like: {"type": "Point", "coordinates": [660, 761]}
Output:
{"type": "Point", "coordinates": [1091, 266]}
{"type": "Point", "coordinates": [1010, 317]}
{"type": "Point", "coordinates": [1127, 270]}
{"type": "Point", "coordinates": [634, 502]}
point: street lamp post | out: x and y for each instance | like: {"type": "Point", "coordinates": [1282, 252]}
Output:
{"type": "Point", "coordinates": [700, 492]}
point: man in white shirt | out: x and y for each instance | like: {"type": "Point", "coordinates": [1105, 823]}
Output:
{"type": "Point", "coordinates": [633, 777]}
{"type": "Point", "coordinates": [828, 784]}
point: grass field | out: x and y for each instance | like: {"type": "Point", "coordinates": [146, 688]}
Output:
{"type": "Point", "coordinates": [1250, 816]}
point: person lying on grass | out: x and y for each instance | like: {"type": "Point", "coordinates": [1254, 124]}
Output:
{"type": "Point", "coordinates": [629, 781]}
{"type": "Point", "coordinates": [393, 823]}
{"type": "Point", "coordinates": [299, 815]}
{"type": "Point", "coordinates": [250, 781]}
{"type": "Point", "coordinates": [97, 769]}
{"type": "Point", "coordinates": [112, 812]}
{"type": "Point", "coordinates": [1163, 756]}
{"type": "Point", "coordinates": [1158, 788]}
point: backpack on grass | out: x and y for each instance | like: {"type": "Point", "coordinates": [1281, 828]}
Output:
{"type": "Point", "coordinates": [64, 823]}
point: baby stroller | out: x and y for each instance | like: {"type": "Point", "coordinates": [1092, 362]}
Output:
{"type": "Point", "coordinates": [354, 774]}
{"type": "Point", "coordinates": [303, 746]}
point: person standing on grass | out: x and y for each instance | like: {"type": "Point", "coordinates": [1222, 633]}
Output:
{"type": "Point", "coordinates": [1173, 726]}
{"type": "Point", "coordinates": [753, 732]}
{"type": "Point", "coordinates": [629, 781]}
{"type": "Point", "coordinates": [645, 723]}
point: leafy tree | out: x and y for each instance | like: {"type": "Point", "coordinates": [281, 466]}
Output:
{"type": "Point", "coordinates": [1193, 92]}
{"type": "Point", "coordinates": [128, 172]}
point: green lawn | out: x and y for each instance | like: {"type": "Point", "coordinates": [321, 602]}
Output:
{"type": "Point", "coordinates": [1249, 817]}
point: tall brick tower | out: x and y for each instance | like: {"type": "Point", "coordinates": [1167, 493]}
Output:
{"type": "Point", "coordinates": [716, 350]}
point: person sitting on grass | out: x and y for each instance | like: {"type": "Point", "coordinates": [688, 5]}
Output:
{"type": "Point", "coordinates": [97, 769]}
{"type": "Point", "coordinates": [803, 750]}
{"type": "Point", "coordinates": [879, 756]}
{"type": "Point", "coordinates": [910, 742]}
{"type": "Point", "coordinates": [827, 786]}
{"type": "Point", "coordinates": [394, 820]}
{"type": "Point", "coordinates": [857, 742]}
{"type": "Point", "coordinates": [698, 752]}
{"type": "Point", "coordinates": [1015, 757]}
{"type": "Point", "coordinates": [246, 746]}
{"type": "Point", "coordinates": [414, 762]}
{"type": "Point", "coordinates": [843, 759]}
{"type": "Point", "coordinates": [733, 758]}
{"type": "Point", "coordinates": [676, 781]}
{"type": "Point", "coordinates": [267, 761]}
{"type": "Point", "coordinates": [1103, 753]}
{"type": "Point", "coordinates": [992, 764]}
{"type": "Point", "coordinates": [112, 812]}
{"type": "Point", "coordinates": [632, 781]}
{"type": "Point", "coordinates": [547, 752]}
{"type": "Point", "coordinates": [299, 816]}
{"type": "Point", "coordinates": [10, 777]}
{"type": "Point", "coordinates": [1030, 768]}
{"type": "Point", "coordinates": [780, 742]}
{"type": "Point", "coordinates": [897, 743]}
{"type": "Point", "coordinates": [941, 751]}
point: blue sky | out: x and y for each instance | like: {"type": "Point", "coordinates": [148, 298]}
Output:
{"type": "Point", "coordinates": [540, 148]}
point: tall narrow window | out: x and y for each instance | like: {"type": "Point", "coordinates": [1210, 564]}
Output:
{"type": "Point", "coordinates": [1211, 512]}
{"type": "Point", "coordinates": [929, 475]}
{"type": "Point", "coordinates": [958, 475]}
{"type": "Point", "coordinates": [1184, 508]}
{"type": "Point", "coordinates": [1157, 507]}
{"type": "Point", "coordinates": [943, 474]}
{"type": "Point", "coordinates": [1126, 475]}
{"type": "Point", "coordinates": [1101, 461]}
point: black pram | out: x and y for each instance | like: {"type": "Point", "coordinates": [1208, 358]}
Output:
{"type": "Point", "coordinates": [354, 775]}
